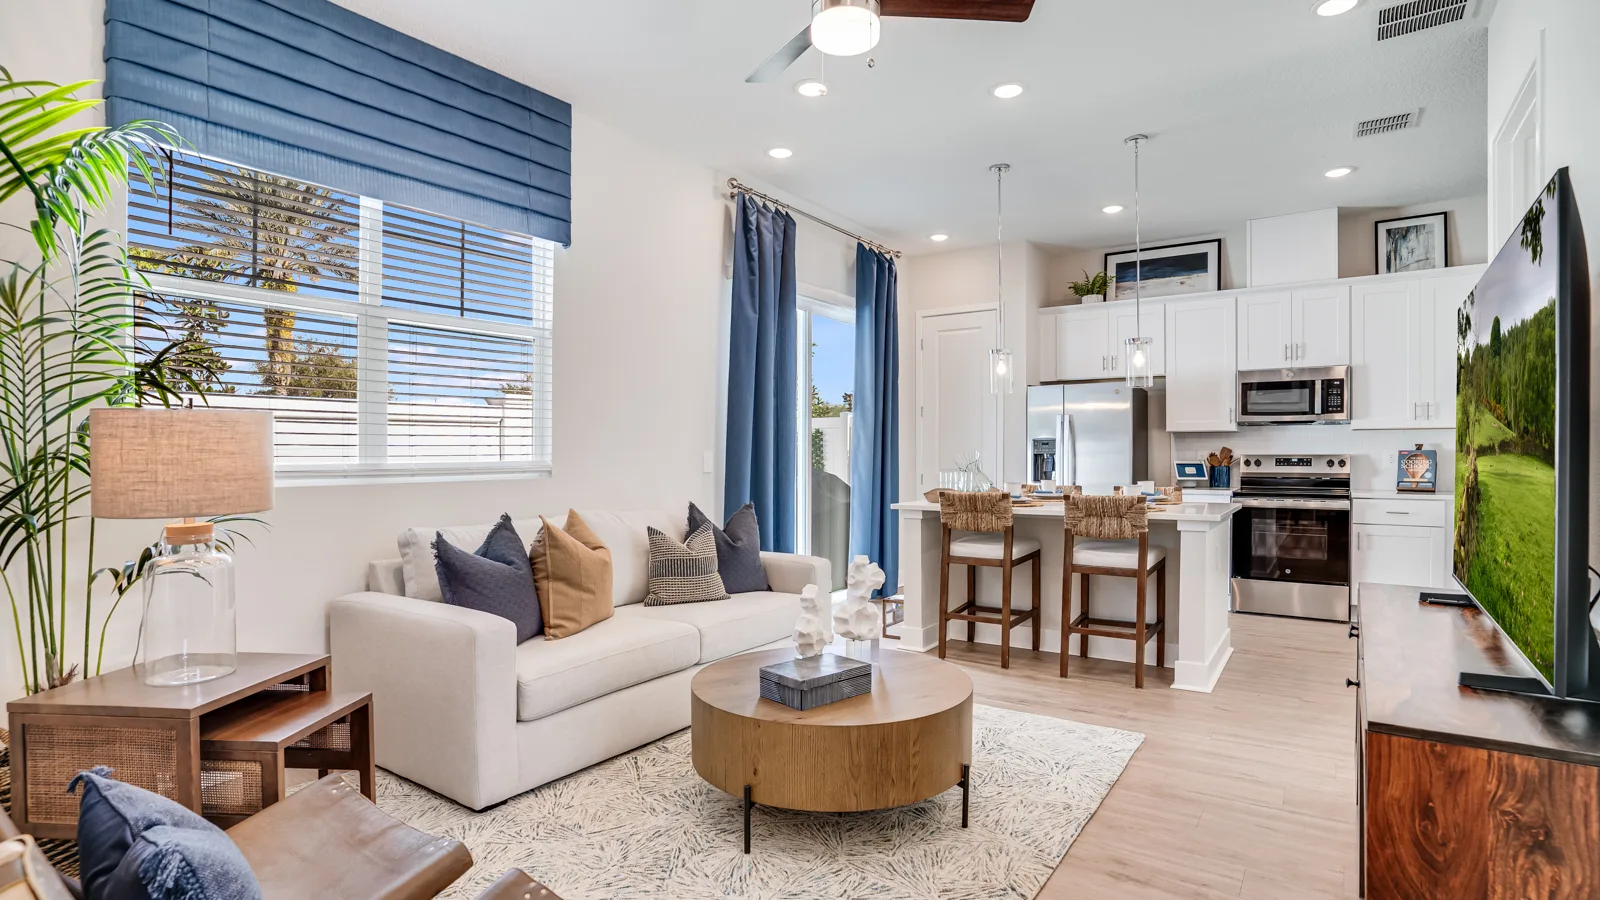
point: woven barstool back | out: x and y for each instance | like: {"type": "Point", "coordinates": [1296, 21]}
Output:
{"type": "Point", "coordinates": [1107, 518]}
{"type": "Point", "coordinates": [985, 511]}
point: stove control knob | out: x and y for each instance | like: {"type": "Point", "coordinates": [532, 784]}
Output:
{"type": "Point", "coordinates": [1258, 462]}
{"type": "Point", "coordinates": [1342, 463]}
{"type": "Point", "coordinates": [1330, 463]}
{"type": "Point", "coordinates": [1247, 462]}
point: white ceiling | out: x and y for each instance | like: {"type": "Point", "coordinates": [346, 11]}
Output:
{"type": "Point", "coordinates": [1248, 102]}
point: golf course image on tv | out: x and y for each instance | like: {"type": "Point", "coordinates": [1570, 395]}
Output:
{"type": "Point", "coordinates": [1505, 477]}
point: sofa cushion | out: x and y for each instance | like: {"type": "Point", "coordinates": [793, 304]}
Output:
{"type": "Point", "coordinates": [608, 656]}
{"type": "Point", "coordinates": [624, 533]}
{"type": "Point", "coordinates": [416, 551]}
{"type": "Point", "coordinates": [684, 572]}
{"type": "Point", "coordinates": [572, 574]}
{"type": "Point", "coordinates": [498, 579]}
{"type": "Point", "coordinates": [741, 622]}
{"type": "Point", "coordinates": [738, 548]}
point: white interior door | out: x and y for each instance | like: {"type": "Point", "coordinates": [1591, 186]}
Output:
{"type": "Point", "coordinates": [957, 415]}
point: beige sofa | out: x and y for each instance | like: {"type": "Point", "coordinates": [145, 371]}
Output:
{"type": "Point", "coordinates": [461, 708]}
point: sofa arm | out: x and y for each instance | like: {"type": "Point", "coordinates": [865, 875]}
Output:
{"type": "Point", "coordinates": [789, 573]}
{"type": "Point", "coordinates": [444, 690]}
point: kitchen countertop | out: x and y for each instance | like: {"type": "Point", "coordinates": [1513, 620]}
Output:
{"type": "Point", "coordinates": [1441, 496]}
{"type": "Point", "coordinates": [1181, 512]}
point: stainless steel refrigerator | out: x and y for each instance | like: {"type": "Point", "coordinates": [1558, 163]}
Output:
{"type": "Point", "coordinates": [1094, 434]}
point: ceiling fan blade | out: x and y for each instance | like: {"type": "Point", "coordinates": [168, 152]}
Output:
{"type": "Point", "coordinates": [988, 10]}
{"type": "Point", "coordinates": [784, 58]}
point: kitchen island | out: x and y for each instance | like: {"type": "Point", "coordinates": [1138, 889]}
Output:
{"type": "Point", "coordinates": [1197, 538]}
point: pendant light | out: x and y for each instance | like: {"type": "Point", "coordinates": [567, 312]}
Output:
{"type": "Point", "coordinates": [1137, 354]}
{"type": "Point", "coordinates": [1001, 366]}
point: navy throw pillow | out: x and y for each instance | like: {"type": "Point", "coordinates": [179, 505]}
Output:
{"type": "Point", "coordinates": [497, 579]}
{"type": "Point", "coordinates": [738, 549]}
{"type": "Point", "coordinates": [137, 845]}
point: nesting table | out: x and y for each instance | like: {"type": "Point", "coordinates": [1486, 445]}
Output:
{"type": "Point", "coordinates": [907, 740]}
{"type": "Point", "coordinates": [219, 747]}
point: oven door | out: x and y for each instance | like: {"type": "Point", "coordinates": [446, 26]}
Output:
{"type": "Point", "coordinates": [1293, 541]}
{"type": "Point", "coordinates": [1274, 402]}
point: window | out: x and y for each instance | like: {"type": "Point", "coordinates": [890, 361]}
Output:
{"type": "Point", "coordinates": [826, 381]}
{"type": "Point", "coordinates": [386, 340]}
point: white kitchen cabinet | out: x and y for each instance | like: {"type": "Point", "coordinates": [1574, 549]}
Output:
{"type": "Point", "coordinates": [1445, 296]}
{"type": "Point", "coordinates": [1083, 341]}
{"type": "Point", "coordinates": [1300, 328]}
{"type": "Point", "coordinates": [1264, 331]}
{"type": "Point", "coordinates": [1403, 371]}
{"type": "Point", "coordinates": [1202, 364]}
{"type": "Point", "coordinates": [1045, 345]}
{"type": "Point", "coordinates": [1319, 334]}
{"type": "Point", "coordinates": [1152, 324]}
{"type": "Point", "coordinates": [1398, 554]}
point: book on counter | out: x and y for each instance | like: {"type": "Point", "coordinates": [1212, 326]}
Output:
{"type": "Point", "coordinates": [814, 681]}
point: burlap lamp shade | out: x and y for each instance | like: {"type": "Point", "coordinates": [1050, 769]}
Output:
{"type": "Point", "coordinates": [179, 463]}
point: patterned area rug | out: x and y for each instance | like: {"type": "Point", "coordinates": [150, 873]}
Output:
{"type": "Point", "coordinates": [645, 825]}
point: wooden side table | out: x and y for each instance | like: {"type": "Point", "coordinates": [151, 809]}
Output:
{"type": "Point", "coordinates": [276, 709]}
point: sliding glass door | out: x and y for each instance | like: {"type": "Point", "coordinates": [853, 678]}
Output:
{"type": "Point", "coordinates": [827, 336]}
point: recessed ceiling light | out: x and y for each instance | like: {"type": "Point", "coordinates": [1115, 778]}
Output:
{"type": "Point", "coordinates": [780, 153]}
{"type": "Point", "coordinates": [1339, 172]}
{"type": "Point", "coordinates": [1007, 91]}
{"type": "Point", "coordinates": [811, 87]}
{"type": "Point", "coordinates": [1113, 208]}
{"type": "Point", "coordinates": [1334, 7]}
{"type": "Point", "coordinates": [938, 238]}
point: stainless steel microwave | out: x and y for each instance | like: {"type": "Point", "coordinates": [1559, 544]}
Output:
{"type": "Point", "coordinates": [1290, 396]}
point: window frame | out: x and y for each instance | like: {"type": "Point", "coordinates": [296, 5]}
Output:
{"type": "Point", "coordinates": [373, 320]}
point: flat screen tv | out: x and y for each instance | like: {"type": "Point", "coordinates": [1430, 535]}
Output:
{"type": "Point", "coordinates": [1522, 449]}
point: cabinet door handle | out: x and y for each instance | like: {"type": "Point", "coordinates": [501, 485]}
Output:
{"type": "Point", "coordinates": [1358, 547]}
{"type": "Point", "coordinates": [1285, 351]}
{"type": "Point", "coordinates": [1414, 414]}
{"type": "Point", "coordinates": [1349, 683]}
{"type": "Point", "coordinates": [1397, 512]}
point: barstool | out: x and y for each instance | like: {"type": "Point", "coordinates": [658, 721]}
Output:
{"type": "Point", "coordinates": [985, 520]}
{"type": "Point", "coordinates": [1110, 523]}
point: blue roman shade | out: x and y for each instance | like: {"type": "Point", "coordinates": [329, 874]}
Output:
{"type": "Point", "coordinates": [309, 90]}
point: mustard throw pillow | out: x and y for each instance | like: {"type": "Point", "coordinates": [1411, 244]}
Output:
{"type": "Point", "coordinates": [572, 573]}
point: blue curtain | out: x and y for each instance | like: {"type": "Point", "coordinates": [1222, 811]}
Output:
{"type": "Point", "coordinates": [312, 91]}
{"type": "Point", "coordinates": [763, 431]}
{"type": "Point", "coordinates": [875, 443]}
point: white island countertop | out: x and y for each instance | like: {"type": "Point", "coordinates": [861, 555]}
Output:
{"type": "Point", "coordinates": [1177, 512]}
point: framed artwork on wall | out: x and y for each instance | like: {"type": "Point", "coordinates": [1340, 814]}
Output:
{"type": "Point", "coordinates": [1412, 244]}
{"type": "Point", "coordinates": [1172, 269]}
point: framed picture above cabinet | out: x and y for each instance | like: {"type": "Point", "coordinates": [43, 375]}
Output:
{"type": "Point", "coordinates": [1174, 269]}
{"type": "Point", "coordinates": [1412, 244]}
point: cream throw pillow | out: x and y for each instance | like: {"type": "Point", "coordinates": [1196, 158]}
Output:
{"type": "Point", "coordinates": [572, 573]}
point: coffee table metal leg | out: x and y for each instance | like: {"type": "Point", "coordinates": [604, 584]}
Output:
{"type": "Point", "coordinates": [747, 805]}
{"type": "Point", "coordinates": [966, 790]}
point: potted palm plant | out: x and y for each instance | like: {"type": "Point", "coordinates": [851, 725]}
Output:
{"type": "Point", "coordinates": [1092, 289]}
{"type": "Point", "coordinates": [70, 339]}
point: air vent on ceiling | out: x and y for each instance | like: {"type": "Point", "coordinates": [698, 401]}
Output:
{"type": "Point", "coordinates": [1388, 124]}
{"type": "Point", "coordinates": [1417, 15]}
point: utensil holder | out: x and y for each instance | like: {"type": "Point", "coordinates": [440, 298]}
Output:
{"type": "Point", "coordinates": [1220, 477]}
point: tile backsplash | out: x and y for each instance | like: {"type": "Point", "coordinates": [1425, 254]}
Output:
{"type": "Point", "coordinates": [1372, 467]}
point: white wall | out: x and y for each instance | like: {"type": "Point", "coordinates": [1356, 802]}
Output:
{"type": "Point", "coordinates": [639, 310]}
{"type": "Point", "coordinates": [1558, 36]}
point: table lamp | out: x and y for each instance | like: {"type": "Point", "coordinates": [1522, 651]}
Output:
{"type": "Point", "coordinates": [182, 464]}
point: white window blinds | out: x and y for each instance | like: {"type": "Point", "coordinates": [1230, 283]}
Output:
{"type": "Point", "coordinates": [386, 340]}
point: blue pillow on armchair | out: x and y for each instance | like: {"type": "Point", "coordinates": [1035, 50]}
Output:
{"type": "Point", "coordinates": [138, 845]}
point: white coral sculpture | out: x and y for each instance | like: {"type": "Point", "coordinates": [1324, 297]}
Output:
{"type": "Point", "coordinates": [810, 630]}
{"type": "Point", "coordinates": [858, 619]}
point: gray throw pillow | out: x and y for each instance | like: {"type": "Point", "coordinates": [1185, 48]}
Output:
{"type": "Point", "coordinates": [497, 579]}
{"type": "Point", "coordinates": [738, 549]}
{"type": "Point", "coordinates": [683, 573]}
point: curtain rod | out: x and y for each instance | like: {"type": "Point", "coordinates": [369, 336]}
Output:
{"type": "Point", "coordinates": [737, 188]}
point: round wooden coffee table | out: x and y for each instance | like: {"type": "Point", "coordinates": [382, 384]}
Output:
{"type": "Point", "coordinates": [907, 740]}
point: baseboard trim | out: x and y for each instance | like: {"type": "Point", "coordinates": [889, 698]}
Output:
{"type": "Point", "coordinates": [1202, 677]}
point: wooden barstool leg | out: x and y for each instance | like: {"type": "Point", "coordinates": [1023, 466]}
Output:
{"type": "Point", "coordinates": [1161, 614]}
{"type": "Point", "coordinates": [1038, 614]}
{"type": "Point", "coordinates": [1083, 639]}
{"type": "Point", "coordinates": [972, 598]}
{"type": "Point", "coordinates": [944, 590]}
{"type": "Point", "coordinates": [1005, 613]}
{"type": "Point", "coordinates": [1066, 605]}
{"type": "Point", "coordinates": [1139, 617]}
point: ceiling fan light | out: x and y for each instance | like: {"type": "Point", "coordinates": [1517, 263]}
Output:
{"type": "Point", "coordinates": [844, 27]}
{"type": "Point", "coordinates": [811, 87]}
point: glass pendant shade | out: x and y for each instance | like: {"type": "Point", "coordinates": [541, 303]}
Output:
{"type": "Point", "coordinates": [1140, 364]}
{"type": "Point", "coordinates": [844, 27]}
{"type": "Point", "coordinates": [1001, 369]}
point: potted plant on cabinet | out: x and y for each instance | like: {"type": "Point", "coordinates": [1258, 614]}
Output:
{"type": "Point", "coordinates": [1092, 289]}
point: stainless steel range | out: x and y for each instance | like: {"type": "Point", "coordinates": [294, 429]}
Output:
{"type": "Point", "coordinates": [1291, 541]}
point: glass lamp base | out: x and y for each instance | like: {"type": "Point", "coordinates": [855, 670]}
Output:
{"type": "Point", "coordinates": [178, 671]}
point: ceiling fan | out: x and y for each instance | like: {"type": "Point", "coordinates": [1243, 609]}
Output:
{"type": "Point", "coordinates": [850, 27]}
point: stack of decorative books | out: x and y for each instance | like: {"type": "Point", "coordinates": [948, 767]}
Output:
{"type": "Point", "coordinates": [815, 680]}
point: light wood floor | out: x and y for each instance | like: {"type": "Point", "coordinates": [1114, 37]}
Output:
{"type": "Point", "coordinates": [1248, 791]}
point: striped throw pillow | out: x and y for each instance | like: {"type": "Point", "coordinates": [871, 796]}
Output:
{"type": "Point", "coordinates": [686, 572]}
